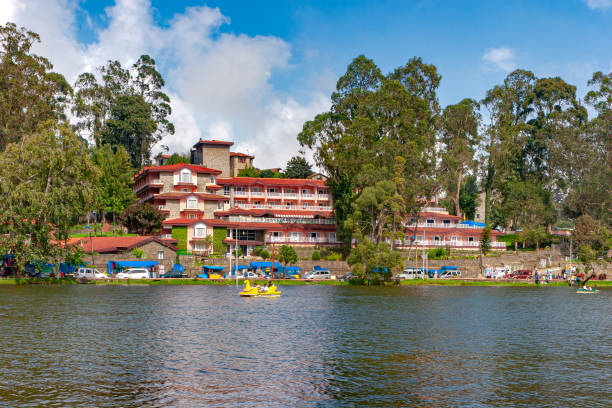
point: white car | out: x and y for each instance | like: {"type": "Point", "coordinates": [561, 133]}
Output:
{"type": "Point", "coordinates": [318, 274]}
{"type": "Point", "coordinates": [411, 273]}
{"type": "Point", "coordinates": [450, 274]}
{"type": "Point", "coordinates": [134, 273]}
{"type": "Point", "coordinates": [90, 273]}
{"type": "Point", "coordinates": [248, 275]}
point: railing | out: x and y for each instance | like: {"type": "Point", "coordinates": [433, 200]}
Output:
{"type": "Point", "coordinates": [426, 225]}
{"type": "Point", "coordinates": [241, 193]}
{"type": "Point", "coordinates": [291, 195]}
{"type": "Point", "coordinates": [307, 196]}
{"type": "Point", "coordinates": [156, 181]}
{"type": "Point", "coordinates": [284, 207]}
{"type": "Point", "coordinates": [282, 220]}
{"type": "Point", "coordinates": [257, 193]}
{"type": "Point", "coordinates": [162, 208]}
{"type": "Point", "coordinates": [165, 236]}
{"type": "Point", "coordinates": [457, 244]}
{"type": "Point", "coordinates": [273, 194]}
{"type": "Point", "coordinates": [298, 240]}
{"type": "Point", "coordinates": [323, 197]}
{"type": "Point", "coordinates": [142, 200]}
{"type": "Point", "coordinates": [435, 209]}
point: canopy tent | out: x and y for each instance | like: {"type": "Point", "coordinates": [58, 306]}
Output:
{"type": "Point", "coordinates": [207, 270]}
{"type": "Point", "coordinates": [319, 268]}
{"type": "Point", "coordinates": [112, 266]}
{"type": "Point", "coordinates": [289, 269]}
{"type": "Point", "coordinates": [474, 223]}
{"type": "Point", "coordinates": [239, 267]}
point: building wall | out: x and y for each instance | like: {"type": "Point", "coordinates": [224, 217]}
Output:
{"type": "Point", "coordinates": [480, 214]}
{"type": "Point", "coordinates": [203, 180]}
{"type": "Point", "coordinates": [150, 249]}
{"type": "Point", "coordinates": [175, 208]}
{"type": "Point", "coordinates": [209, 209]}
{"type": "Point", "coordinates": [168, 179]}
{"type": "Point", "coordinates": [236, 165]}
{"type": "Point", "coordinates": [216, 157]}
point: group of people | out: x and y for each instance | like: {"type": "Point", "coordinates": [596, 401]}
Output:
{"type": "Point", "coordinates": [266, 286]}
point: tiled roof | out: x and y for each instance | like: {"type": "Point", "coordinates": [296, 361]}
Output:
{"type": "Point", "coordinates": [114, 244]}
{"type": "Point", "coordinates": [232, 154]}
{"type": "Point", "coordinates": [178, 194]}
{"type": "Point", "coordinates": [241, 181]}
{"type": "Point", "coordinates": [180, 166]}
{"type": "Point", "coordinates": [216, 142]}
{"type": "Point", "coordinates": [440, 215]}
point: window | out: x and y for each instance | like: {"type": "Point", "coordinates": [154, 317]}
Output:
{"type": "Point", "coordinates": [295, 236]}
{"type": "Point", "coordinates": [436, 238]}
{"type": "Point", "coordinates": [219, 205]}
{"type": "Point", "coordinates": [322, 191]}
{"type": "Point", "coordinates": [241, 160]}
{"type": "Point", "coordinates": [446, 221]}
{"type": "Point", "coordinates": [290, 190]}
{"type": "Point", "coordinates": [331, 236]}
{"type": "Point", "coordinates": [199, 231]}
{"type": "Point", "coordinates": [185, 176]}
{"type": "Point", "coordinates": [226, 190]}
{"type": "Point", "coordinates": [470, 239]}
{"type": "Point", "coordinates": [431, 221]}
{"type": "Point", "coordinates": [276, 234]}
{"type": "Point", "coordinates": [192, 216]}
{"type": "Point", "coordinates": [477, 216]}
{"type": "Point", "coordinates": [160, 254]}
{"type": "Point", "coordinates": [454, 239]}
{"type": "Point", "coordinates": [199, 247]}
{"type": "Point", "coordinates": [306, 191]}
{"type": "Point", "coordinates": [192, 203]}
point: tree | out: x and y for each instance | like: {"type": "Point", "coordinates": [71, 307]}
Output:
{"type": "Point", "coordinates": [372, 261]}
{"type": "Point", "coordinates": [178, 158]}
{"type": "Point", "coordinates": [143, 219]}
{"type": "Point", "coordinates": [269, 174]}
{"type": "Point", "coordinates": [248, 172]}
{"type": "Point", "coordinates": [130, 125]}
{"type": "Point", "coordinates": [459, 138]}
{"type": "Point", "coordinates": [46, 181]}
{"type": "Point", "coordinates": [287, 255]}
{"type": "Point", "coordinates": [534, 236]}
{"type": "Point", "coordinates": [468, 197]}
{"type": "Point", "coordinates": [298, 167]}
{"type": "Point", "coordinates": [485, 240]}
{"type": "Point", "coordinates": [30, 94]}
{"type": "Point", "coordinates": [116, 184]}
{"type": "Point", "coordinates": [264, 254]}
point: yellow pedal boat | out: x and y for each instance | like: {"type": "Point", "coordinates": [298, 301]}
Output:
{"type": "Point", "coordinates": [256, 291]}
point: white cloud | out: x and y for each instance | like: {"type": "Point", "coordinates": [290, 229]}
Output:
{"type": "Point", "coordinates": [219, 83]}
{"type": "Point", "coordinates": [598, 4]}
{"type": "Point", "coordinates": [501, 58]}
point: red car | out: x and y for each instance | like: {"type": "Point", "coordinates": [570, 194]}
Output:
{"type": "Point", "coordinates": [521, 274]}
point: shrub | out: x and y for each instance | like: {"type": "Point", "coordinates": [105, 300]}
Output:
{"type": "Point", "coordinates": [325, 252]}
{"type": "Point", "coordinates": [333, 257]}
{"type": "Point", "coordinates": [316, 256]}
{"type": "Point", "coordinates": [435, 253]}
{"type": "Point", "coordinates": [138, 253]}
{"type": "Point", "coordinates": [264, 254]}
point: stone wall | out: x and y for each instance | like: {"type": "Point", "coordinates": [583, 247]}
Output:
{"type": "Point", "coordinates": [175, 208]}
{"type": "Point", "coordinates": [216, 157]}
{"type": "Point", "coordinates": [168, 179]}
{"type": "Point", "coordinates": [150, 249]}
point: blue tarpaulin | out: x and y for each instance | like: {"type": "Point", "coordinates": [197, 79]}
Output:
{"type": "Point", "coordinates": [111, 266]}
{"type": "Point", "coordinates": [239, 267]}
{"type": "Point", "coordinates": [206, 269]}
{"type": "Point", "coordinates": [292, 269]}
{"type": "Point", "coordinates": [266, 265]}
{"type": "Point", "coordinates": [319, 268]}
{"type": "Point", "coordinates": [474, 223]}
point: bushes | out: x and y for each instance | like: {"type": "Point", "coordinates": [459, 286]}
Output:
{"type": "Point", "coordinates": [436, 253]}
{"type": "Point", "coordinates": [334, 257]}
{"type": "Point", "coordinates": [316, 256]}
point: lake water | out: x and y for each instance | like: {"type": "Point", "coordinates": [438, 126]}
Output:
{"type": "Point", "coordinates": [132, 346]}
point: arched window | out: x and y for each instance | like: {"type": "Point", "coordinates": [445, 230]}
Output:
{"type": "Point", "coordinates": [185, 176]}
{"type": "Point", "coordinates": [192, 203]}
{"type": "Point", "coordinates": [199, 231]}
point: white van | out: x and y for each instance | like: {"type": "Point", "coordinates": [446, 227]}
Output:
{"type": "Point", "coordinates": [450, 274]}
{"type": "Point", "coordinates": [134, 273]}
{"type": "Point", "coordinates": [411, 273]}
{"type": "Point", "coordinates": [318, 274]}
{"type": "Point", "coordinates": [89, 273]}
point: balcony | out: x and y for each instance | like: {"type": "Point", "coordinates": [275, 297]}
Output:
{"type": "Point", "coordinates": [283, 220]}
{"type": "Point", "coordinates": [307, 196]}
{"type": "Point", "coordinates": [284, 207]}
{"type": "Point", "coordinates": [162, 208]}
{"type": "Point", "coordinates": [300, 240]}
{"type": "Point", "coordinates": [257, 194]}
{"type": "Point", "coordinates": [241, 193]}
{"type": "Point", "coordinates": [454, 244]}
{"type": "Point", "coordinates": [274, 194]}
{"type": "Point", "coordinates": [291, 195]}
{"type": "Point", "coordinates": [323, 197]}
{"type": "Point", "coordinates": [432, 225]}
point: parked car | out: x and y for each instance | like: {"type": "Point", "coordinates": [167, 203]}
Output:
{"type": "Point", "coordinates": [411, 273]}
{"type": "Point", "coordinates": [450, 274]}
{"type": "Point", "coordinates": [344, 278]}
{"type": "Point", "coordinates": [134, 273]}
{"type": "Point", "coordinates": [521, 274]}
{"type": "Point", "coordinates": [89, 273]}
{"type": "Point", "coordinates": [318, 273]}
{"type": "Point", "coordinates": [248, 275]}
{"type": "Point", "coordinates": [172, 274]}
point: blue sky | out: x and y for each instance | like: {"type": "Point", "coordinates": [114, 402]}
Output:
{"type": "Point", "coordinates": [263, 67]}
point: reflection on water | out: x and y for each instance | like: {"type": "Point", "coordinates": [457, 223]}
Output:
{"type": "Point", "coordinates": [131, 346]}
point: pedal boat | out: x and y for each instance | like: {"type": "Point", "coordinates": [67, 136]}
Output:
{"type": "Point", "coordinates": [582, 290]}
{"type": "Point", "coordinates": [254, 291]}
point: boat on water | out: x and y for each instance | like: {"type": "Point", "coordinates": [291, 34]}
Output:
{"type": "Point", "coordinates": [582, 290]}
{"type": "Point", "coordinates": [258, 291]}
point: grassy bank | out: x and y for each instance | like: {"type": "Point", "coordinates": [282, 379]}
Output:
{"type": "Point", "coordinates": [288, 282]}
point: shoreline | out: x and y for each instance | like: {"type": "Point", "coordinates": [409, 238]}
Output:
{"type": "Point", "coordinates": [292, 282]}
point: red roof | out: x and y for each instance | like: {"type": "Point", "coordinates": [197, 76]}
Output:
{"type": "Point", "coordinates": [261, 212]}
{"type": "Point", "coordinates": [232, 154]}
{"type": "Point", "coordinates": [215, 142]}
{"type": "Point", "coordinates": [114, 244]}
{"type": "Point", "coordinates": [440, 215]}
{"type": "Point", "coordinates": [180, 166]}
{"type": "Point", "coordinates": [241, 181]}
{"type": "Point", "coordinates": [179, 194]}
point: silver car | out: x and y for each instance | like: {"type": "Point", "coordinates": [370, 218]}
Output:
{"type": "Point", "coordinates": [89, 273]}
{"type": "Point", "coordinates": [318, 274]}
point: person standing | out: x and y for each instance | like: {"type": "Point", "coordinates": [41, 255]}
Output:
{"type": "Point", "coordinates": [537, 278]}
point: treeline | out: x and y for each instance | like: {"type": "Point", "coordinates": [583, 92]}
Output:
{"type": "Point", "coordinates": [69, 150]}
{"type": "Point", "coordinates": [529, 145]}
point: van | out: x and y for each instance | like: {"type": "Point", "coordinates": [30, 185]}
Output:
{"type": "Point", "coordinates": [134, 273]}
{"type": "Point", "coordinates": [411, 273]}
{"type": "Point", "coordinates": [450, 274]}
{"type": "Point", "coordinates": [318, 274]}
{"type": "Point", "coordinates": [89, 273]}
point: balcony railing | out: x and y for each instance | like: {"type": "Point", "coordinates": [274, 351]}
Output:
{"type": "Point", "coordinates": [273, 194]}
{"type": "Point", "coordinates": [302, 240]}
{"type": "Point", "coordinates": [257, 193]}
{"type": "Point", "coordinates": [425, 225]}
{"type": "Point", "coordinates": [163, 208]}
{"type": "Point", "coordinates": [307, 196]}
{"type": "Point", "coordinates": [241, 193]}
{"type": "Point", "coordinates": [291, 195]}
{"type": "Point", "coordinates": [323, 197]}
{"type": "Point", "coordinates": [284, 207]}
{"type": "Point", "coordinates": [435, 209]}
{"type": "Point", "coordinates": [454, 244]}
{"type": "Point", "coordinates": [283, 220]}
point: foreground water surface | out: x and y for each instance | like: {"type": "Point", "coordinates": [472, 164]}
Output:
{"type": "Point", "coordinates": [132, 346]}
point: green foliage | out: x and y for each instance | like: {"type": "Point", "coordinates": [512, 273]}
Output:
{"type": "Point", "coordinates": [47, 181]}
{"type": "Point", "coordinates": [436, 253]}
{"type": "Point", "coordinates": [248, 172]}
{"type": "Point", "coordinates": [30, 93]}
{"type": "Point", "coordinates": [219, 234]}
{"type": "Point", "coordinates": [534, 236]}
{"type": "Point", "coordinates": [334, 257]}
{"type": "Point", "coordinates": [138, 253]}
{"type": "Point", "coordinates": [264, 254]}
{"type": "Point", "coordinates": [287, 255]}
{"type": "Point", "coordinates": [316, 256]}
{"type": "Point", "coordinates": [298, 167]}
{"type": "Point", "coordinates": [116, 183]}
{"type": "Point", "coordinates": [180, 234]}
{"type": "Point", "coordinates": [270, 174]}
{"type": "Point", "coordinates": [368, 260]}
{"type": "Point", "coordinates": [143, 219]}
{"type": "Point", "coordinates": [468, 197]}
{"type": "Point", "coordinates": [177, 159]}
{"type": "Point", "coordinates": [485, 240]}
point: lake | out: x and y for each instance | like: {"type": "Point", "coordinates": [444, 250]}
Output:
{"type": "Point", "coordinates": [132, 346]}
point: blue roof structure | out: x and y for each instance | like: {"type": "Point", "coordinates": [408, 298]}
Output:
{"type": "Point", "coordinates": [240, 267]}
{"type": "Point", "coordinates": [266, 265]}
{"type": "Point", "coordinates": [293, 269]}
{"type": "Point", "coordinates": [129, 264]}
{"type": "Point", "coordinates": [474, 223]}
{"type": "Point", "coordinates": [212, 267]}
